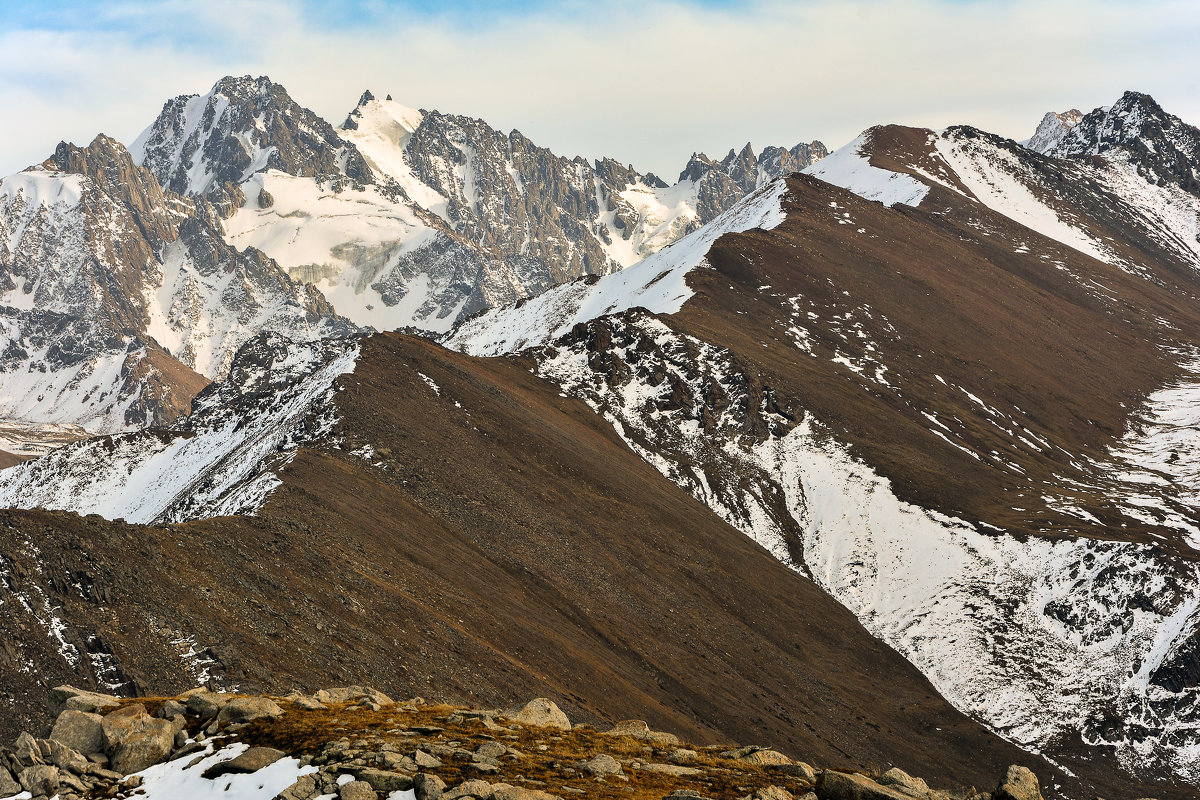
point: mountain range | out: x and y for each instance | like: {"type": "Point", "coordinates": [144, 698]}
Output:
{"type": "Point", "coordinates": [887, 454]}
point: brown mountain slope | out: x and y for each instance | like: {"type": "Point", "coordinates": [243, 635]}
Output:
{"type": "Point", "coordinates": [501, 543]}
{"type": "Point", "coordinates": [941, 298]}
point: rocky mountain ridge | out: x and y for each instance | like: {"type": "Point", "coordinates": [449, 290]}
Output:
{"type": "Point", "coordinates": [462, 217]}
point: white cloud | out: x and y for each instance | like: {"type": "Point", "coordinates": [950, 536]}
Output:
{"type": "Point", "coordinates": [643, 82]}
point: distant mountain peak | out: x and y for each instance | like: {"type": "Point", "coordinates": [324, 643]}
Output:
{"type": "Point", "coordinates": [243, 125]}
{"type": "Point", "coordinates": [1051, 130]}
{"type": "Point", "coordinates": [1163, 148]}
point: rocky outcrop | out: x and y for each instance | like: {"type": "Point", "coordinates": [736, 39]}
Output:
{"type": "Point", "coordinates": [1164, 149]}
{"type": "Point", "coordinates": [241, 126]}
{"type": "Point", "coordinates": [355, 743]}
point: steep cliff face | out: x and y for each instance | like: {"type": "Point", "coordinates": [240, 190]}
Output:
{"type": "Point", "coordinates": [419, 218]}
{"type": "Point", "coordinates": [121, 300]}
{"type": "Point", "coordinates": [1163, 149]}
{"type": "Point", "coordinates": [201, 143]}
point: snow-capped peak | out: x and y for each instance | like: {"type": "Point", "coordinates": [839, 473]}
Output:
{"type": "Point", "coordinates": [241, 126]}
{"type": "Point", "coordinates": [1051, 130]}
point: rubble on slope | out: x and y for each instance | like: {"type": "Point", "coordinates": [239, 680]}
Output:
{"type": "Point", "coordinates": [355, 743]}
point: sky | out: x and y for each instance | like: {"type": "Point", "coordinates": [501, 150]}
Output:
{"type": "Point", "coordinates": [646, 82]}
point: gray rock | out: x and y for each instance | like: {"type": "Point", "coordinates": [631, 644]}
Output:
{"type": "Point", "coordinates": [638, 729]}
{"type": "Point", "coordinates": [135, 740]}
{"type": "Point", "coordinates": [9, 785]}
{"type": "Point", "coordinates": [851, 786]}
{"type": "Point", "coordinates": [65, 697]}
{"type": "Point", "coordinates": [1019, 784]}
{"type": "Point", "coordinates": [758, 755]}
{"type": "Point", "coordinates": [904, 783]}
{"type": "Point", "coordinates": [601, 765]}
{"type": "Point", "coordinates": [383, 781]}
{"type": "Point", "coordinates": [428, 787]}
{"type": "Point", "coordinates": [39, 780]}
{"type": "Point", "coordinates": [356, 790]}
{"type": "Point", "coordinates": [542, 713]}
{"type": "Point", "coordinates": [206, 704]}
{"type": "Point", "coordinates": [80, 731]}
{"type": "Point", "coordinates": [424, 760]}
{"type": "Point", "coordinates": [251, 760]}
{"type": "Point", "coordinates": [245, 709]}
{"type": "Point", "coordinates": [799, 770]}
{"type": "Point", "coordinates": [471, 788]}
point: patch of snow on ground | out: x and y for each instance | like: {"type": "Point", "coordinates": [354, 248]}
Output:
{"type": "Point", "coordinates": [181, 778]}
{"type": "Point", "coordinates": [994, 177]}
{"type": "Point", "coordinates": [849, 168]}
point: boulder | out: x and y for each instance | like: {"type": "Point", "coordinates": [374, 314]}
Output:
{"type": "Point", "coordinates": [8, 784]}
{"type": "Point", "coordinates": [601, 765]}
{"type": "Point", "coordinates": [758, 755]}
{"type": "Point", "coordinates": [206, 704]}
{"type": "Point", "coordinates": [1019, 784]}
{"type": "Point", "coordinates": [245, 709]}
{"type": "Point", "coordinates": [674, 770]}
{"type": "Point", "coordinates": [383, 781]}
{"type": "Point", "coordinates": [521, 793]}
{"type": "Point", "coordinates": [424, 760]}
{"type": "Point", "coordinates": [251, 760]}
{"type": "Point", "coordinates": [135, 740]}
{"type": "Point", "coordinates": [345, 694]}
{"type": "Point", "coordinates": [428, 787]}
{"type": "Point", "coordinates": [799, 769]}
{"type": "Point", "coordinates": [356, 790]}
{"type": "Point", "coordinates": [852, 786]}
{"type": "Point", "coordinates": [79, 730]}
{"type": "Point", "coordinates": [638, 729]}
{"type": "Point", "coordinates": [40, 780]}
{"type": "Point", "coordinates": [64, 697]}
{"type": "Point", "coordinates": [904, 783]}
{"type": "Point", "coordinates": [471, 788]}
{"type": "Point", "coordinates": [542, 713]}
{"type": "Point", "coordinates": [64, 757]}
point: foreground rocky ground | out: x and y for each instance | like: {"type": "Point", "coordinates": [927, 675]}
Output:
{"type": "Point", "coordinates": [357, 744]}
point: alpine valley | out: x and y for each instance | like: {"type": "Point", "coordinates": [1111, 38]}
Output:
{"type": "Point", "coordinates": [884, 457]}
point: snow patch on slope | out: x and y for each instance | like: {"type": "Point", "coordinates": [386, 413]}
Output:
{"type": "Point", "coordinates": [220, 460]}
{"type": "Point", "coordinates": [658, 284]}
{"type": "Point", "coordinates": [1041, 640]}
{"type": "Point", "coordinates": [850, 168]}
{"type": "Point", "coordinates": [996, 179]}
